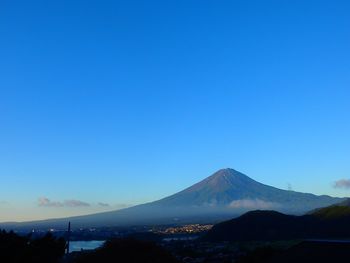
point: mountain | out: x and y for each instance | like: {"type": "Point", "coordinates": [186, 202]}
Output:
{"type": "Point", "coordinates": [261, 225]}
{"type": "Point", "coordinates": [223, 195]}
{"type": "Point", "coordinates": [326, 223]}
{"type": "Point", "coordinates": [229, 188]}
{"type": "Point", "coordinates": [338, 211]}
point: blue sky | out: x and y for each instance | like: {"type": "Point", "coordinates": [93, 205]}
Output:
{"type": "Point", "coordinates": [124, 102]}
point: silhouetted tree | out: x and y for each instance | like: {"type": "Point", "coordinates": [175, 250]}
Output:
{"type": "Point", "coordinates": [259, 255]}
{"type": "Point", "coordinates": [24, 249]}
{"type": "Point", "coordinates": [127, 251]}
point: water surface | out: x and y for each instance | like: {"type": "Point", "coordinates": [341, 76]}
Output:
{"type": "Point", "coordinates": [85, 245]}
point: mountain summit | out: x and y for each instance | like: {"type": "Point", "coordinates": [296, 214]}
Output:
{"type": "Point", "coordinates": [230, 189]}
{"type": "Point", "coordinates": [221, 188]}
{"type": "Point", "coordinates": [223, 195]}
{"type": "Point", "coordinates": [222, 180]}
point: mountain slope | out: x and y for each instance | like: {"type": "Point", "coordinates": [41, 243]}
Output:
{"type": "Point", "coordinates": [262, 225]}
{"type": "Point", "coordinates": [327, 223]}
{"type": "Point", "coordinates": [228, 187]}
{"type": "Point", "coordinates": [223, 195]}
{"type": "Point", "coordinates": [338, 211]}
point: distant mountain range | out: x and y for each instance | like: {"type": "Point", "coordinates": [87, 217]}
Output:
{"type": "Point", "coordinates": [223, 195]}
{"type": "Point", "coordinates": [326, 223]}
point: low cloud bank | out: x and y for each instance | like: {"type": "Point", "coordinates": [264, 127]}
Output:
{"type": "Point", "coordinates": [253, 204]}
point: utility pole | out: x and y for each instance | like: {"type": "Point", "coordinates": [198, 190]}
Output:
{"type": "Point", "coordinates": [68, 239]}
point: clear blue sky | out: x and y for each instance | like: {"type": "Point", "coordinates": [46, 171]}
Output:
{"type": "Point", "coordinates": [123, 102]}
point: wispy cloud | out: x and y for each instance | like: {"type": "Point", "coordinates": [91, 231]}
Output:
{"type": "Point", "coordinates": [75, 203]}
{"type": "Point", "coordinates": [46, 202]}
{"type": "Point", "coordinates": [103, 204]}
{"type": "Point", "coordinates": [253, 204]}
{"type": "Point", "coordinates": [342, 183]}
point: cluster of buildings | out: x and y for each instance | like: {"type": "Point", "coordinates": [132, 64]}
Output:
{"type": "Point", "coordinates": [187, 229]}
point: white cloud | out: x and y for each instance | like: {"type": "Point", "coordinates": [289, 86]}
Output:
{"type": "Point", "coordinates": [46, 202]}
{"type": "Point", "coordinates": [253, 204]}
{"type": "Point", "coordinates": [75, 203]}
{"type": "Point", "coordinates": [342, 183]}
{"type": "Point", "coordinates": [103, 204]}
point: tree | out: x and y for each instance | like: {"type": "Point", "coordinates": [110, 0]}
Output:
{"type": "Point", "coordinates": [127, 251]}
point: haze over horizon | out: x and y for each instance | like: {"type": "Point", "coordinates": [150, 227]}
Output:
{"type": "Point", "coordinates": [107, 105]}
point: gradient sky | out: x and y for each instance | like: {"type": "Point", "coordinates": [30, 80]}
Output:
{"type": "Point", "coordinates": [124, 102]}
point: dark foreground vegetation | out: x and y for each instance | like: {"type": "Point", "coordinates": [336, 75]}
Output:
{"type": "Point", "coordinates": [312, 251]}
{"type": "Point", "coordinates": [24, 249]}
{"type": "Point", "coordinates": [127, 251]}
{"type": "Point", "coordinates": [48, 249]}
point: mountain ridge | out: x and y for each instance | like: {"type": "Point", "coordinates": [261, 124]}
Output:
{"type": "Point", "coordinates": [326, 223]}
{"type": "Point", "coordinates": [225, 194]}
{"type": "Point", "coordinates": [228, 185]}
